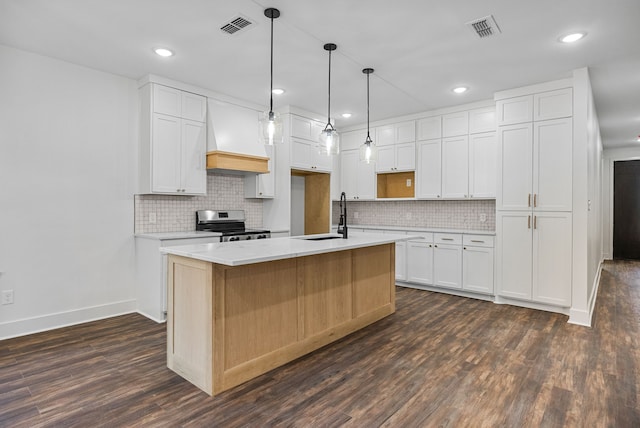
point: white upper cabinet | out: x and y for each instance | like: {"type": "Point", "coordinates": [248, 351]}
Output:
{"type": "Point", "coordinates": [305, 155]}
{"type": "Point", "coordinates": [352, 140]}
{"type": "Point", "coordinates": [455, 167]}
{"type": "Point", "coordinates": [552, 165]}
{"type": "Point", "coordinates": [429, 128]}
{"type": "Point", "coordinates": [535, 164]}
{"type": "Point", "coordinates": [301, 127]}
{"type": "Point", "coordinates": [262, 185]}
{"type": "Point", "coordinates": [177, 103]}
{"type": "Point", "coordinates": [396, 158]}
{"type": "Point", "coordinates": [173, 141]}
{"type": "Point", "coordinates": [515, 164]}
{"type": "Point", "coordinates": [428, 169]}
{"type": "Point", "coordinates": [553, 104]}
{"type": "Point", "coordinates": [482, 120]}
{"type": "Point", "coordinates": [455, 124]}
{"type": "Point", "coordinates": [194, 107]}
{"type": "Point", "coordinates": [396, 133]}
{"type": "Point", "coordinates": [357, 178]}
{"type": "Point", "coordinates": [396, 147]}
{"type": "Point", "coordinates": [515, 110]}
{"type": "Point", "coordinates": [482, 165]}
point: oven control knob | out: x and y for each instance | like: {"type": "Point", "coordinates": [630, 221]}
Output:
{"type": "Point", "coordinates": [249, 237]}
{"type": "Point", "coordinates": [234, 238]}
{"type": "Point", "coordinates": [261, 237]}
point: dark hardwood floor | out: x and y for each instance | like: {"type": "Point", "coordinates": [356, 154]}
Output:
{"type": "Point", "coordinates": [439, 361]}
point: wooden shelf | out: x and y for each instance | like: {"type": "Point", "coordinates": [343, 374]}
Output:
{"type": "Point", "coordinates": [237, 162]}
{"type": "Point", "coordinates": [394, 185]}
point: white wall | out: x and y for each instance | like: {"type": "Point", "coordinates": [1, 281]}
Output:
{"type": "Point", "coordinates": [587, 201]}
{"type": "Point", "coordinates": [67, 174]}
{"type": "Point", "coordinates": [297, 205]}
{"type": "Point", "coordinates": [609, 157]}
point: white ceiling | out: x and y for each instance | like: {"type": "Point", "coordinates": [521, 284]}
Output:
{"type": "Point", "coordinates": [420, 49]}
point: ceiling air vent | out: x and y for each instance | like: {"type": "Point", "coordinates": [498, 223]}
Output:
{"type": "Point", "coordinates": [484, 27]}
{"type": "Point", "coordinates": [237, 24]}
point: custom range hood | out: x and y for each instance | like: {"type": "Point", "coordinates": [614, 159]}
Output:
{"type": "Point", "coordinates": [232, 139]}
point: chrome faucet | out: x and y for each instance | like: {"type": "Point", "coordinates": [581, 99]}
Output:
{"type": "Point", "coordinates": [342, 224]}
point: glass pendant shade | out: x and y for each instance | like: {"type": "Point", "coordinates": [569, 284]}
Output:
{"type": "Point", "coordinates": [329, 141]}
{"type": "Point", "coordinates": [271, 128]}
{"type": "Point", "coordinates": [270, 121]}
{"type": "Point", "coordinates": [368, 151]}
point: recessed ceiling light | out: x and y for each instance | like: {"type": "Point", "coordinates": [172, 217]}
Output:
{"type": "Point", "coordinates": [163, 52]}
{"type": "Point", "coordinates": [460, 89]}
{"type": "Point", "coordinates": [573, 37]}
{"type": "Point", "coordinates": [346, 115]}
{"type": "Point", "coordinates": [277, 91]}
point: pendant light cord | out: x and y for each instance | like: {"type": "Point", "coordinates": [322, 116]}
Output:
{"type": "Point", "coordinates": [271, 87]}
{"type": "Point", "coordinates": [368, 136]}
{"type": "Point", "coordinates": [329, 105]}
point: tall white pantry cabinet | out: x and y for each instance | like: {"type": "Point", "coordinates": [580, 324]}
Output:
{"type": "Point", "coordinates": [534, 197]}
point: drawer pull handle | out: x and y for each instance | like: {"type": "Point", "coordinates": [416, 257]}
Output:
{"type": "Point", "coordinates": [475, 240]}
{"type": "Point", "coordinates": [529, 222]}
{"type": "Point", "coordinates": [447, 239]}
{"type": "Point", "coordinates": [535, 200]}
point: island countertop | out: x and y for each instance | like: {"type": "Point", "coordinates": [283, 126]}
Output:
{"type": "Point", "coordinates": [265, 250]}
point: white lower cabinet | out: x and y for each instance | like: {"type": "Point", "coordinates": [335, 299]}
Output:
{"type": "Point", "coordinates": [477, 269]}
{"type": "Point", "coordinates": [534, 256]}
{"type": "Point", "coordinates": [447, 265]}
{"type": "Point", "coordinates": [151, 273]}
{"type": "Point", "coordinates": [420, 262]}
{"type": "Point", "coordinates": [401, 261]}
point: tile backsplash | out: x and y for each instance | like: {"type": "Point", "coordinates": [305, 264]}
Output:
{"type": "Point", "coordinates": [437, 214]}
{"type": "Point", "coordinates": [178, 213]}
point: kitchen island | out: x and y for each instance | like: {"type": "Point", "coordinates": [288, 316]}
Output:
{"type": "Point", "coordinates": [239, 309]}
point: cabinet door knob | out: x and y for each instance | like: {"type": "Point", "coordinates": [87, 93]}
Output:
{"type": "Point", "coordinates": [436, 246]}
{"type": "Point", "coordinates": [464, 248]}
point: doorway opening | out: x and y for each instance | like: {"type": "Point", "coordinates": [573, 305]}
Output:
{"type": "Point", "coordinates": [310, 202]}
{"type": "Point", "coordinates": [626, 210]}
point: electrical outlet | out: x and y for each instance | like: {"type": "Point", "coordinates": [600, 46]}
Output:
{"type": "Point", "coordinates": [483, 218]}
{"type": "Point", "coordinates": [152, 218]}
{"type": "Point", "coordinates": [408, 182]}
{"type": "Point", "coordinates": [408, 215]}
{"type": "Point", "coordinates": [356, 214]}
{"type": "Point", "coordinates": [7, 297]}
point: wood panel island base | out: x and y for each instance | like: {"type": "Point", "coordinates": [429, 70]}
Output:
{"type": "Point", "coordinates": [228, 324]}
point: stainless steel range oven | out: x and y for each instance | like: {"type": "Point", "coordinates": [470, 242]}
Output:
{"type": "Point", "coordinates": [230, 223]}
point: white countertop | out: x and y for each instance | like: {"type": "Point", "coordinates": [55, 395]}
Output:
{"type": "Point", "coordinates": [420, 229]}
{"type": "Point", "coordinates": [265, 250]}
{"type": "Point", "coordinates": [161, 236]}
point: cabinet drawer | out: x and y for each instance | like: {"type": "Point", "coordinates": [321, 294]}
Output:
{"type": "Point", "coordinates": [427, 236]}
{"type": "Point", "coordinates": [447, 238]}
{"type": "Point", "coordinates": [478, 240]}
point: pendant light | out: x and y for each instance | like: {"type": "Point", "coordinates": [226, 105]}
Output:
{"type": "Point", "coordinates": [329, 138]}
{"type": "Point", "coordinates": [368, 149]}
{"type": "Point", "coordinates": [271, 122]}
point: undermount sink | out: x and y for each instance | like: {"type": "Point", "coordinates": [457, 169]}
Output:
{"type": "Point", "coordinates": [319, 238]}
